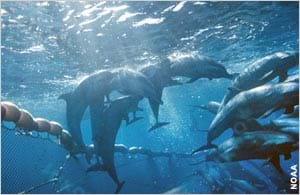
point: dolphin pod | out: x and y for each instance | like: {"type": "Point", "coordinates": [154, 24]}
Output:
{"type": "Point", "coordinates": [249, 98]}
{"type": "Point", "coordinates": [267, 145]}
{"type": "Point", "coordinates": [92, 90]}
{"type": "Point", "coordinates": [252, 104]}
{"type": "Point", "coordinates": [104, 138]}
{"type": "Point", "coordinates": [261, 72]}
{"type": "Point", "coordinates": [286, 123]}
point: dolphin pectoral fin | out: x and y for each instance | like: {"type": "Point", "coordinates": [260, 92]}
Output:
{"type": "Point", "coordinates": [287, 156]}
{"type": "Point", "coordinates": [283, 76]}
{"type": "Point", "coordinates": [192, 80]}
{"type": "Point", "coordinates": [275, 161]}
{"type": "Point", "coordinates": [205, 147]}
{"type": "Point", "coordinates": [234, 89]}
{"type": "Point", "coordinates": [135, 120]}
{"type": "Point", "coordinates": [158, 125]}
{"type": "Point", "coordinates": [119, 187]}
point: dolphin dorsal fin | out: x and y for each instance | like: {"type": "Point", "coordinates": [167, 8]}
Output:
{"type": "Point", "coordinates": [65, 96]}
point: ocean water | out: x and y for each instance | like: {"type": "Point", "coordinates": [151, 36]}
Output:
{"type": "Point", "coordinates": [48, 47]}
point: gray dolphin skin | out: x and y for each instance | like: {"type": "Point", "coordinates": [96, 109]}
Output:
{"type": "Point", "coordinates": [133, 82]}
{"type": "Point", "coordinates": [160, 79]}
{"type": "Point", "coordinates": [253, 104]}
{"type": "Point", "coordinates": [267, 145]}
{"type": "Point", "coordinates": [261, 72]}
{"type": "Point", "coordinates": [293, 78]}
{"type": "Point", "coordinates": [89, 91]}
{"type": "Point", "coordinates": [286, 123]}
{"type": "Point", "coordinates": [197, 66]}
{"type": "Point", "coordinates": [211, 106]}
{"type": "Point", "coordinates": [244, 186]}
{"type": "Point", "coordinates": [104, 139]}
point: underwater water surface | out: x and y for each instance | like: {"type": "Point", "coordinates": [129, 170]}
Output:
{"type": "Point", "coordinates": [48, 47]}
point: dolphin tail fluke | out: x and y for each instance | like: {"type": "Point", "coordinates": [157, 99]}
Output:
{"type": "Point", "coordinates": [119, 187]}
{"type": "Point", "coordinates": [158, 125]}
{"type": "Point", "coordinates": [205, 147]}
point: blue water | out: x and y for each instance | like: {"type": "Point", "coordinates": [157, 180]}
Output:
{"type": "Point", "coordinates": [47, 47]}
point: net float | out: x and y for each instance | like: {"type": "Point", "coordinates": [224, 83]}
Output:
{"type": "Point", "coordinates": [43, 125]}
{"type": "Point", "coordinates": [66, 140]}
{"type": "Point", "coordinates": [3, 111]}
{"type": "Point", "coordinates": [26, 121]}
{"type": "Point", "coordinates": [12, 111]}
{"type": "Point", "coordinates": [55, 128]}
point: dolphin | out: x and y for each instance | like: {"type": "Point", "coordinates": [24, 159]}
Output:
{"type": "Point", "coordinates": [286, 123]}
{"type": "Point", "coordinates": [293, 78]}
{"type": "Point", "coordinates": [197, 66]}
{"type": "Point", "coordinates": [104, 140]}
{"type": "Point", "coordinates": [160, 79]}
{"type": "Point", "coordinates": [237, 171]}
{"type": "Point", "coordinates": [261, 72]}
{"type": "Point", "coordinates": [90, 91]}
{"type": "Point", "coordinates": [267, 145]}
{"type": "Point", "coordinates": [211, 106]}
{"type": "Point", "coordinates": [132, 82]}
{"type": "Point", "coordinates": [252, 104]}
{"type": "Point", "coordinates": [244, 186]}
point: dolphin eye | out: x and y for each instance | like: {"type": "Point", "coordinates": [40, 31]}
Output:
{"type": "Point", "coordinates": [239, 128]}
